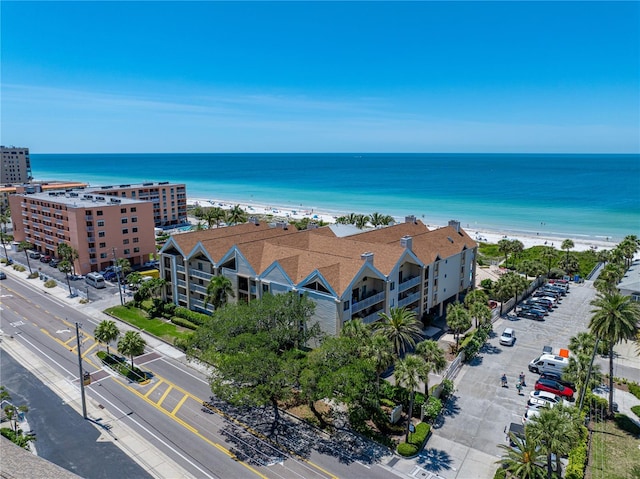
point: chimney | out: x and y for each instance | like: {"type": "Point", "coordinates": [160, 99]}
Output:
{"type": "Point", "coordinates": [312, 226]}
{"type": "Point", "coordinates": [410, 219]}
{"type": "Point", "coordinates": [455, 225]}
{"type": "Point", "coordinates": [367, 257]}
{"type": "Point", "coordinates": [254, 220]}
{"type": "Point", "coordinates": [282, 225]}
{"type": "Point", "coordinates": [406, 242]}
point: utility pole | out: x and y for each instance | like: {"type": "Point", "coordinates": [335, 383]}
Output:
{"type": "Point", "coordinates": [115, 265]}
{"type": "Point", "coordinates": [84, 403]}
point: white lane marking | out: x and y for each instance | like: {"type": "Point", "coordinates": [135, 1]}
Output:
{"type": "Point", "coordinates": [184, 372]}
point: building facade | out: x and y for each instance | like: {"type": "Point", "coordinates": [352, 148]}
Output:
{"type": "Point", "coordinates": [15, 166]}
{"type": "Point", "coordinates": [35, 187]}
{"type": "Point", "coordinates": [348, 277]}
{"type": "Point", "coordinates": [100, 228]}
{"type": "Point", "coordinates": [169, 200]}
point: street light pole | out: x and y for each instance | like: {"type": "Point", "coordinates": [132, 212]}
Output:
{"type": "Point", "coordinates": [84, 403]}
{"type": "Point", "coordinates": [115, 265]}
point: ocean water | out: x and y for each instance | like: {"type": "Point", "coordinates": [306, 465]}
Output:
{"type": "Point", "coordinates": [553, 194]}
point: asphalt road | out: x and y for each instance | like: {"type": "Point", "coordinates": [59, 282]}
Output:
{"type": "Point", "coordinates": [207, 442]}
{"type": "Point", "coordinates": [63, 437]}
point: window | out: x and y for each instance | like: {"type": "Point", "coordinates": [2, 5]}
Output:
{"type": "Point", "coordinates": [345, 305]}
{"type": "Point", "coordinates": [392, 286]}
{"type": "Point", "coordinates": [125, 231]}
{"type": "Point", "coordinates": [125, 241]}
{"type": "Point", "coordinates": [100, 234]}
{"type": "Point", "coordinates": [103, 255]}
{"type": "Point", "coordinates": [127, 251]}
{"type": "Point", "coordinates": [103, 245]}
{"type": "Point", "coordinates": [136, 240]}
{"type": "Point", "coordinates": [124, 221]}
{"type": "Point", "coordinates": [134, 219]}
{"type": "Point", "coordinates": [134, 229]}
{"type": "Point", "coordinates": [136, 250]}
{"type": "Point", "coordinates": [100, 222]}
{"type": "Point", "coordinates": [123, 210]}
{"type": "Point", "coordinates": [89, 223]}
{"type": "Point", "coordinates": [133, 209]}
{"type": "Point", "coordinates": [99, 212]}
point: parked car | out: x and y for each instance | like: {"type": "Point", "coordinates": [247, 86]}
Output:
{"type": "Point", "coordinates": [54, 263]}
{"type": "Point", "coordinates": [554, 387]}
{"type": "Point", "coordinates": [34, 255]}
{"type": "Point", "coordinates": [530, 414]}
{"type": "Point", "coordinates": [541, 301]}
{"type": "Point", "coordinates": [530, 315]}
{"type": "Point", "coordinates": [508, 337]}
{"type": "Point", "coordinates": [535, 308]}
{"type": "Point", "coordinates": [558, 378]}
{"type": "Point", "coordinates": [544, 394]}
{"type": "Point", "coordinates": [45, 258]}
{"type": "Point", "coordinates": [3, 275]}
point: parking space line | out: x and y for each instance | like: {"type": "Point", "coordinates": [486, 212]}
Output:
{"type": "Point", "coordinates": [179, 405]}
{"type": "Point", "coordinates": [166, 393]}
{"type": "Point", "coordinates": [86, 351]}
{"type": "Point", "coordinates": [153, 388]}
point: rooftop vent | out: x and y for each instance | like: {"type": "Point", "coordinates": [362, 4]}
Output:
{"type": "Point", "coordinates": [254, 220]}
{"type": "Point", "coordinates": [410, 219]}
{"type": "Point", "coordinates": [367, 257]}
{"type": "Point", "coordinates": [282, 224]}
{"type": "Point", "coordinates": [115, 200]}
{"type": "Point", "coordinates": [147, 184]}
{"type": "Point", "coordinates": [125, 186]}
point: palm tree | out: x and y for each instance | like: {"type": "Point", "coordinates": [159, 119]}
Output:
{"type": "Point", "coordinates": [615, 318]}
{"type": "Point", "coordinates": [218, 215]}
{"type": "Point", "coordinates": [218, 291]}
{"type": "Point", "coordinates": [357, 330]}
{"type": "Point", "coordinates": [379, 350]}
{"type": "Point", "coordinates": [458, 319]}
{"type": "Point", "coordinates": [131, 345]}
{"type": "Point", "coordinates": [504, 246]}
{"type": "Point", "coordinates": [609, 277]}
{"type": "Point", "coordinates": [504, 290]}
{"type": "Point", "coordinates": [401, 327]}
{"type": "Point", "coordinates": [66, 252]}
{"type": "Point", "coordinates": [567, 245]}
{"type": "Point", "coordinates": [106, 332]}
{"type": "Point", "coordinates": [26, 246]}
{"type": "Point", "coordinates": [65, 267]}
{"type": "Point", "coordinates": [570, 264]}
{"type": "Point", "coordinates": [434, 359]}
{"type": "Point", "coordinates": [480, 312]}
{"type": "Point", "coordinates": [523, 458]}
{"type": "Point", "coordinates": [582, 372]}
{"type": "Point", "coordinates": [376, 219]}
{"type": "Point", "coordinates": [476, 296]}
{"type": "Point", "coordinates": [408, 373]}
{"type": "Point", "coordinates": [134, 279]}
{"type": "Point", "coordinates": [361, 221]}
{"type": "Point", "coordinates": [629, 247]}
{"type": "Point", "coordinates": [517, 247]}
{"type": "Point", "coordinates": [236, 215]}
{"type": "Point", "coordinates": [555, 430]}
{"type": "Point", "coordinates": [548, 254]}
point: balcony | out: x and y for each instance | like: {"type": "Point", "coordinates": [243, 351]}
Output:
{"type": "Point", "coordinates": [409, 283]}
{"type": "Point", "coordinates": [198, 288]}
{"type": "Point", "coordinates": [197, 304]}
{"type": "Point", "coordinates": [200, 274]}
{"type": "Point", "coordinates": [367, 302]}
{"type": "Point", "coordinates": [372, 318]}
{"type": "Point", "coordinates": [180, 269]}
{"type": "Point", "coordinates": [412, 298]}
{"type": "Point", "coordinates": [90, 228]}
{"type": "Point", "coordinates": [182, 283]}
{"type": "Point", "coordinates": [182, 297]}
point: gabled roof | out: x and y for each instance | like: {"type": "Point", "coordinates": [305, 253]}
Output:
{"type": "Point", "coordinates": [337, 259]}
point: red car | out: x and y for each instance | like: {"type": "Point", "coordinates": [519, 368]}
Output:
{"type": "Point", "coordinates": [554, 387]}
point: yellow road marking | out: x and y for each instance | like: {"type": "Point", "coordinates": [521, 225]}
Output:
{"type": "Point", "coordinates": [179, 405]}
{"type": "Point", "coordinates": [166, 393]}
{"type": "Point", "coordinates": [59, 341]}
{"type": "Point", "coordinates": [72, 338]}
{"type": "Point", "coordinates": [153, 388]}
{"type": "Point", "coordinates": [86, 351]}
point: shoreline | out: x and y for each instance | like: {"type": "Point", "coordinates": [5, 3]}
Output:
{"type": "Point", "coordinates": [478, 233]}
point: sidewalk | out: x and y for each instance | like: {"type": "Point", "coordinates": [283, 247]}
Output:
{"type": "Point", "coordinates": [155, 462]}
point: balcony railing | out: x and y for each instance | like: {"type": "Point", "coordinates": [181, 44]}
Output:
{"type": "Point", "coordinates": [182, 283]}
{"type": "Point", "coordinates": [371, 318]}
{"type": "Point", "coordinates": [367, 302]}
{"type": "Point", "coordinates": [198, 288]}
{"type": "Point", "coordinates": [182, 297]}
{"type": "Point", "coordinates": [179, 269]}
{"type": "Point", "coordinates": [196, 273]}
{"type": "Point", "coordinates": [409, 283]}
{"type": "Point", "coordinates": [412, 298]}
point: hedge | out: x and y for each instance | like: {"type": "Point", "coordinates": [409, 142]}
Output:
{"type": "Point", "coordinates": [634, 389]}
{"type": "Point", "coordinates": [636, 410]}
{"type": "Point", "coordinates": [50, 283]}
{"type": "Point", "coordinates": [578, 458]}
{"type": "Point", "coordinates": [416, 440]}
{"type": "Point", "coordinates": [185, 323]}
{"type": "Point", "coordinates": [192, 316]}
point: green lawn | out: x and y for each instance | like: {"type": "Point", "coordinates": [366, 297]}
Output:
{"type": "Point", "coordinates": [158, 327]}
{"type": "Point", "coordinates": [614, 453]}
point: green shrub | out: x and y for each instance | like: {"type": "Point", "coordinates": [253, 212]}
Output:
{"type": "Point", "coordinates": [626, 424]}
{"type": "Point", "coordinates": [486, 284]}
{"type": "Point", "coordinates": [447, 388]}
{"type": "Point", "coordinates": [595, 403]}
{"type": "Point", "coordinates": [193, 316]}
{"type": "Point", "coordinates": [433, 408]}
{"type": "Point", "coordinates": [19, 268]}
{"type": "Point", "coordinates": [185, 323]}
{"type": "Point", "coordinates": [407, 450]}
{"type": "Point", "coordinates": [500, 474]}
{"type": "Point", "coordinates": [50, 283]}
{"type": "Point", "coordinates": [33, 275]}
{"type": "Point", "coordinates": [418, 437]}
{"type": "Point", "coordinates": [418, 401]}
{"type": "Point", "coordinates": [3, 260]}
{"type": "Point", "coordinates": [634, 389]}
{"type": "Point", "coordinates": [578, 458]}
{"type": "Point", "coordinates": [636, 410]}
{"type": "Point", "coordinates": [387, 402]}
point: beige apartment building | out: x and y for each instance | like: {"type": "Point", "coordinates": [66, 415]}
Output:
{"type": "Point", "coordinates": [15, 166]}
{"type": "Point", "coordinates": [169, 200]}
{"type": "Point", "coordinates": [348, 274]}
{"type": "Point", "coordinates": [35, 187]}
{"type": "Point", "coordinates": [100, 228]}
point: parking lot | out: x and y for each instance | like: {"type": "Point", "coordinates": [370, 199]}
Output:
{"type": "Point", "coordinates": [464, 445]}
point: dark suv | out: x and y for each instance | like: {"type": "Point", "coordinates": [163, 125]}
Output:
{"type": "Point", "coordinates": [558, 378]}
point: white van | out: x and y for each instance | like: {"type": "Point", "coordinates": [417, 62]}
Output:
{"type": "Point", "coordinates": [96, 280]}
{"type": "Point", "coordinates": [548, 362]}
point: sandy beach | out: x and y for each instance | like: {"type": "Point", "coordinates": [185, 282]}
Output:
{"type": "Point", "coordinates": [581, 243]}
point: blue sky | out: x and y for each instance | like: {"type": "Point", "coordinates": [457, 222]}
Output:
{"type": "Point", "coordinates": [321, 77]}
